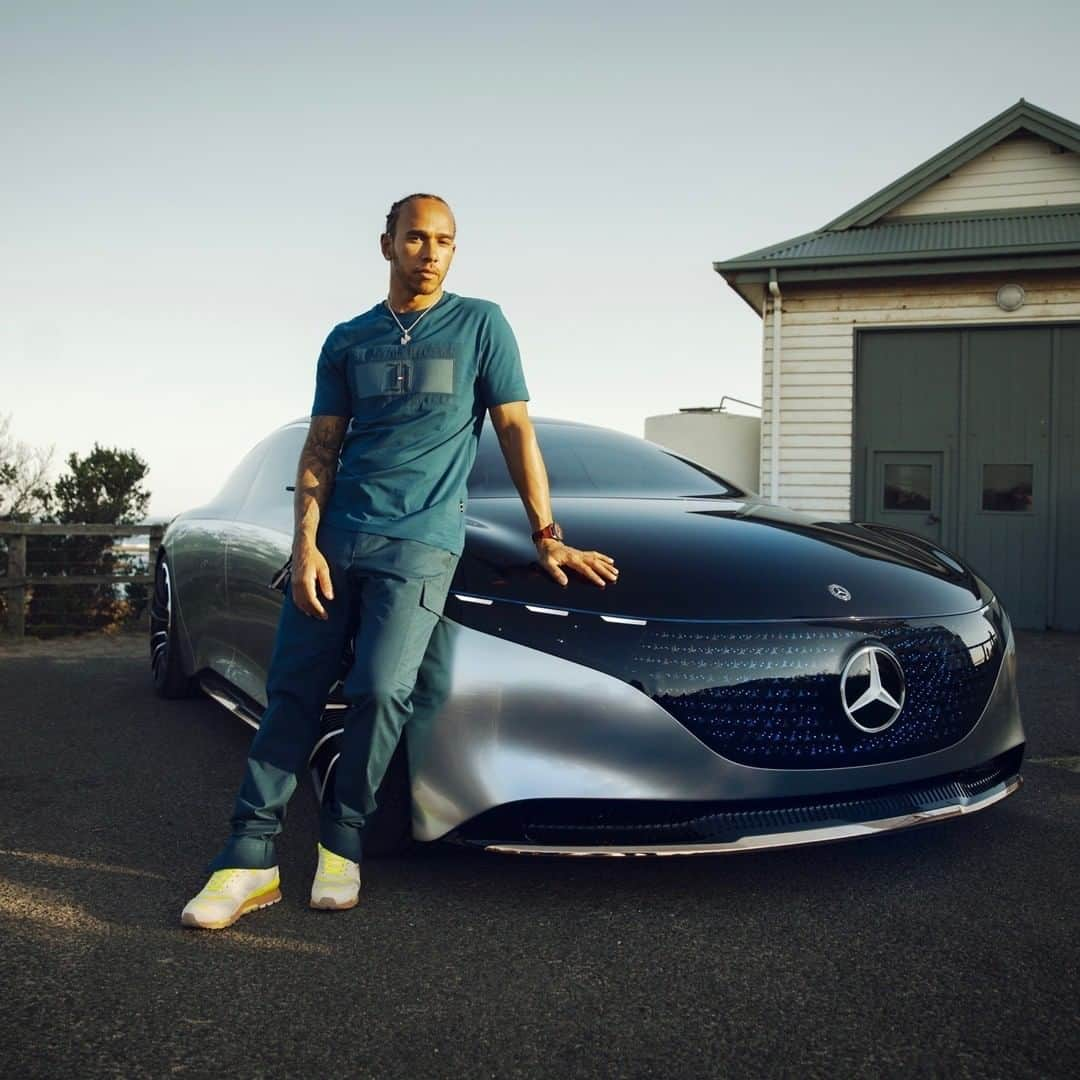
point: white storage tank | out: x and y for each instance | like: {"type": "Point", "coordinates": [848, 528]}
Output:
{"type": "Point", "coordinates": [726, 442]}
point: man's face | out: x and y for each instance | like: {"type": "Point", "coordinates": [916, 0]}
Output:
{"type": "Point", "coordinates": [422, 247]}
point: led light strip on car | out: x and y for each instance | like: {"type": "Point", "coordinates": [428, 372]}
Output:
{"type": "Point", "coordinates": [850, 620]}
{"type": "Point", "coordinates": [537, 609]}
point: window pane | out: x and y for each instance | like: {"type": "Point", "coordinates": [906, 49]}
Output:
{"type": "Point", "coordinates": [268, 502]}
{"type": "Point", "coordinates": [232, 495]}
{"type": "Point", "coordinates": [908, 487]}
{"type": "Point", "coordinates": [584, 460]}
{"type": "Point", "coordinates": [1007, 487]}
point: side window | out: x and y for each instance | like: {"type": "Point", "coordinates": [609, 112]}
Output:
{"type": "Point", "coordinates": [232, 495]}
{"type": "Point", "coordinates": [268, 501]}
{"type": "Point", "coordinates": [908, 487]}
{"type": "Point", "coordinates": [1008, 488]}
{"type": "Point", "coordinates": [586, 461]}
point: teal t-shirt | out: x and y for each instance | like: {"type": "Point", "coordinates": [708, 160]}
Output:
{"type": "Point", "coordinates": [416, 412]}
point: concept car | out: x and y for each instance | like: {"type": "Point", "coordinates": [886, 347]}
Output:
{"type": "Point", "coordinates": [754, 679]}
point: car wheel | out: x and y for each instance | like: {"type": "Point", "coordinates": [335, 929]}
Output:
{"type": "Point", "coordinates": [166, 669]}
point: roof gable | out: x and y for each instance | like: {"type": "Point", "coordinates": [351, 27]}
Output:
{"type": "Point", "coordinates": [1021, 117]}
{"type": "Point", "coordinates": [1023, 171]}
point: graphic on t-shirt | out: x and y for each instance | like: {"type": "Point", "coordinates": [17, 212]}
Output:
{"type": "Point", "coordinates": [375, 375]}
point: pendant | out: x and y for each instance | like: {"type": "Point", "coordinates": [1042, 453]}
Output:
{"type": "Point", "coordinates": [405, 339]}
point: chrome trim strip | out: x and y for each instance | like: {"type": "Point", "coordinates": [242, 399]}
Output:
{"type": "Point", "coordinates": [473, 599]}
{"type": "Point", "coordinates": [328, 735]}
{"type": "Point", "coordinates": [620, 619]}
{"type": "Point", "coordinates": [796, 838]}
{"type": "Point", "coordinates": [234, 707]}
{"type": "Point", "coordinates": [326, 777]}
{"type": "Point", "coordinates": [546, 610]}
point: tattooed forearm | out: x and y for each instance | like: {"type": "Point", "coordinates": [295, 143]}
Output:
{"type": "Point", "coordinates": [315, 473]}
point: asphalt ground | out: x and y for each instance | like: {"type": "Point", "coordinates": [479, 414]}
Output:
{"type": "Point", "coordinates": [948, 950]}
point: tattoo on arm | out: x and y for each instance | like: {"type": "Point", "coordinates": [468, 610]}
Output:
{"type": "Point", "coordinates": [316, 471]}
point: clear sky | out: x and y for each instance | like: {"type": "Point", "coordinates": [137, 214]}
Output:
{"type": "Point", "coordinates": [191, 200]}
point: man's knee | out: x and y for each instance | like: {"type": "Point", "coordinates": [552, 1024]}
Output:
{"type": "Point", "coordinates": [379, 691]}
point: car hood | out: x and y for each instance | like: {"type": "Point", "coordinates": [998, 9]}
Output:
{"type": "Point", "coordinates": [730, 559]}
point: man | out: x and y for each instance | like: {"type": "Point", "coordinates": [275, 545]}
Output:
{"type": "Point", "coordinates": [400, 395]}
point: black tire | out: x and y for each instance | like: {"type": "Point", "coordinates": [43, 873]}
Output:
{"type": "Point", "coordinates": [166, 667]}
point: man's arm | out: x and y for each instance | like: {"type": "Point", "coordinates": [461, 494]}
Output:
{"type": "Point", "coordinates": [315, 475]}
{"type": "Point", "coordinates": [517, 438]}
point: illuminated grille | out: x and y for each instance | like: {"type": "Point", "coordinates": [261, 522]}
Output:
{"type": "Point", "coordinates": [770, 695]}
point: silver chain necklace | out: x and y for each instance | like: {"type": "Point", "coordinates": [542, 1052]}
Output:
{"type": "Point", "coordinates": [406, 335]}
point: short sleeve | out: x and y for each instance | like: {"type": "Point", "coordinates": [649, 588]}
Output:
{"type": "Point", "coordinates": [500, 373]}
{"type": "Point", "coordinates": [332, 397]}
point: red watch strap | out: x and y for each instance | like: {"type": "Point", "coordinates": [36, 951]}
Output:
{"type": "Point", "coordinates": [550, 530]}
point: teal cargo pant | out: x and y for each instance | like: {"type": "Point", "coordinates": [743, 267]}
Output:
{"type": "Point", "coordinates": [389, 593]}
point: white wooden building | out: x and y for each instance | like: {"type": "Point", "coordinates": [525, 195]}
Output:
{"type": "Point", "coordinates": [921, 359]}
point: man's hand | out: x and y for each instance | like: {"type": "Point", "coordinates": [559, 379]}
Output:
{"type": "Point", "coordinates": [309, 567]}
{"type": "Point", "coordinates": [594, 565]}
{"type": "Point", "coordinates": [522, 453]}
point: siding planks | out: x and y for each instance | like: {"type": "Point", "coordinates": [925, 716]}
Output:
{"type": "Point", "coordinates": [1020, 171]}
{"type": "Point", "coordinates": [818, 359]}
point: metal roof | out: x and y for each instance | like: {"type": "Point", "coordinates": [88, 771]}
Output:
{"type": "Point", "coordinates": [940, 237]}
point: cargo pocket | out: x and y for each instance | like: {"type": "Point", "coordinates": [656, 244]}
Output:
{"type": "Point", "coordinates": [434, 590]}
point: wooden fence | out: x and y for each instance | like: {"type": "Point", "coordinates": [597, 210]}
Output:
{"type": "Point", "coordinates": [17, 579]}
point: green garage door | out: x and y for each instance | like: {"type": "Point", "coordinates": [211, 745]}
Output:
{"type": "Point", "coordinates": [1066, 390]}
{"type": "Point", "coordinates": [970, 437]}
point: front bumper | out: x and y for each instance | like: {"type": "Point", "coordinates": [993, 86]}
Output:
{"type": "Point", "coordinates": [521, 726]}
{"type": "Point", "coordinates": [728, 830]}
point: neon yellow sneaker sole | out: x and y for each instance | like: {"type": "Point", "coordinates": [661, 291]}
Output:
{"type": "Point", "coordinates": [328, 903]}
{"type": "Point", "coordinates": [210, 910]}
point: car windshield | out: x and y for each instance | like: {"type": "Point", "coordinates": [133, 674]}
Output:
{"type": "Point", "coordinates": [597, 461]}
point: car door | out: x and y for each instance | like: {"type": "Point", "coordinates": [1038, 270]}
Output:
{"type": "Point", "coordinates": [197, 543]}
{"type": "Point", "coordinates": [260, 540]}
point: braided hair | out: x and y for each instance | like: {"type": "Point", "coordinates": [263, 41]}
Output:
{"type": "Point", "coordinates": [395, 210]}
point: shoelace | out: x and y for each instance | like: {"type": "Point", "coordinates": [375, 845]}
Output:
{"type": "Point", "coordinates": [332, 865]}
{"type": "Point", "coordinates": [219, 880]}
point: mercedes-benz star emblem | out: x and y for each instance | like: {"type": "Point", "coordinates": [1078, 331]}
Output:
{"type": "Point", "coordinates": [839, 592]}
{"type": "Point", "coordinates": [872, 688]}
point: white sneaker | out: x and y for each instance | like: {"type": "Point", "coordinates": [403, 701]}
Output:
{"type": "Point", "coordinates": [229, 894]}
{"type": "Point", "coordinates": [337, 882]}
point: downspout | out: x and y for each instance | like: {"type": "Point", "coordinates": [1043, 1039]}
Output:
{"type": "Point", "coordinates": [774, 441]}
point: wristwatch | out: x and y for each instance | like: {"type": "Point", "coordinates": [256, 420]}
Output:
{"type": "Point", "coordinates": [553, 531]}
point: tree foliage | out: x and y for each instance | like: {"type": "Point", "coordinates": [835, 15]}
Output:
{"type": "Point", "coordinates": [25, 489]}
{"type": "Point", "coordinates": [105, 486]}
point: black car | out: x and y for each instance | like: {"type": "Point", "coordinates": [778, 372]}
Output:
{"type": "Point", "coordinates": [754, 679]}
